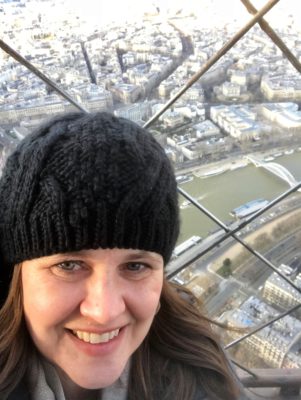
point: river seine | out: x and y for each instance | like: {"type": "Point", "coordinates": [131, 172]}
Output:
{"type": "Point", "coordinates": [222, 193]}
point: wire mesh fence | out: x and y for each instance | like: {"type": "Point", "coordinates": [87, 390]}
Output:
{"type": "Point", "coordinates": [257, 17]}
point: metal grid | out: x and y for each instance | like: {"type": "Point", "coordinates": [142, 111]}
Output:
{"type": "Point", "coordinates": [257, 18]}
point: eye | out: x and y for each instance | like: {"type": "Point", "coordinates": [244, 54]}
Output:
{"type": "Point", "coordinates": [136, 266]}
{"type": "Point", "coordinates": [68, 268]}
{"type": "Point", "coordinates": [69, 265]}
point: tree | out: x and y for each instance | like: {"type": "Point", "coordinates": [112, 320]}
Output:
{"type": "Point", "coordinates": [227, 262]}
{"type": "Point", "coordinates": [225, 270]}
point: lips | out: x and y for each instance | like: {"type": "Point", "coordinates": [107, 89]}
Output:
{"type": "Point", "coordinates": [95, 338]}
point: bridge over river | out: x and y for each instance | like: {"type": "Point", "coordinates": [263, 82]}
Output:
{"type": "Point", "coordinates": [276, 169]}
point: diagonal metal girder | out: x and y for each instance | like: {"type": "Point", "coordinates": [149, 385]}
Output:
{"type": "Point", "coordinates": [273, 35]}
{"type": "Point", "coordinates": [212, 60]}
{"type": "Point", "coordinates": [233, 231]}
{"type": "Point", "coordinates": [258, 17]}
{"type": "Point", "coordinates": [261, 326]}
{"type": "Point", "coordinates": [13, 53]}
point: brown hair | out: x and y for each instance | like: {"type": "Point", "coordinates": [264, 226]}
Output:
{"type": "Point", "coordinates": [14, 338]}
{"type": "Point", "coordinates": [179, 355]}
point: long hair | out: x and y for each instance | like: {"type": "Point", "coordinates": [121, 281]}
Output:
{"type": "Point", "coordinates": [15, 344]}
{"type": "Point", "coordinates": [181, 356]}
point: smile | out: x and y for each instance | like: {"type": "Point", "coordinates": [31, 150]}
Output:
{"type": "Point", "coordinates": [96, 338]}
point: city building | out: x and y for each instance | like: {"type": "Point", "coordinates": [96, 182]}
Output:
{"type": "Point", "coordinates": [281, 86]}
{"type": "Point", "coordinates": [279, 292]}
{"type": "Point", "coordinates": [272, 343]}
{"type": "Point", "coordinates": [125, 93]}
{"type": "Point", "coordinates": [206, 129]}
{"type": "Point", "coordinates": [136, 112]}
{"type": "Point", "coordinates": [239, 121]}
{"type": "Point", "coordinates": [286, 115]}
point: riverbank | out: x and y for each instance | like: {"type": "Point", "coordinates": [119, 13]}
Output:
{"type": "Point", "coordinates": [222, 193]}
{"type": "Point", "coordinates": [234, 162]}
{"type": "Point", "coordinates": [267, 228]}
{"type": "Point", "coordinates": [233, 251]}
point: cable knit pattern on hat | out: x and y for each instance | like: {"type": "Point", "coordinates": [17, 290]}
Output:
{"type": "Point", "coordinates": [86, 181]}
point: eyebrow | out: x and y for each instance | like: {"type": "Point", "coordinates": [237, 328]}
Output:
{"type": "Point", "coordinates": [139, 254]}
{"type": "Point", "coordinates": [134, 254]}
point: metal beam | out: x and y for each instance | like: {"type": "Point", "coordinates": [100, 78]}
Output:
{"type": "Point", "coordinates": [212, 60]}
{"type": "Point", "coordinates": [13, 53]}
{"type": "Point", "coordinates": [273, 35]}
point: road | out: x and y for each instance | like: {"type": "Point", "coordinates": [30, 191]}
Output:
{"type": "Point", "coordinates": [254, 272]}
{"type": "Point", "coordinates": [251, 275]}
{"type": "Point", "coordinates": [216, 302]}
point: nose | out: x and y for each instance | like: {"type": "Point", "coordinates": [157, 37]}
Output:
{"type": "Point", "coordinates": [104, 298]}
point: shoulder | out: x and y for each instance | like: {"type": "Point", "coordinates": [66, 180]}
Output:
{"type": "Point", "coordinates": [19, 393]}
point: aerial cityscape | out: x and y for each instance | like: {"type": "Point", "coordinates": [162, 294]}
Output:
{"type": "Point", "coordinates": [234, 137]}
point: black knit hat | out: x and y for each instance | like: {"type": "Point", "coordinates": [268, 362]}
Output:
{"type": "Point", "coordinates": [85, 181]}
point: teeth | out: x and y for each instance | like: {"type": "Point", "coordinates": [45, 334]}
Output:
{"type": "Point", "coordinates": [81, 335]}
{"type": "Point", "coordinates": [95, 338]}
{"type": "Point", "coordinates": [86, 336]}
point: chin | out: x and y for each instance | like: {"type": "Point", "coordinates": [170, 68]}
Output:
{"type": "Point", "coordinates": [97, 380]}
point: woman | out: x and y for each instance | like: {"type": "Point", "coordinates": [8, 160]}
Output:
{"type": "Point", "coordinates": [88, 220]}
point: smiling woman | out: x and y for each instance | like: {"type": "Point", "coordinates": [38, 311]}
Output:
{"type": "Point", "coordinates": [89, 218]}
{"type": "Point", "coordinates": [110, 299]}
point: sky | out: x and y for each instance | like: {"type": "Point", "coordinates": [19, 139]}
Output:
{"type": "Point", "coordinates": [101, 12]}
{"type": "Point", "coordinates": [98, 14]}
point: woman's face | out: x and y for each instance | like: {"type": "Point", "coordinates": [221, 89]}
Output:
{"type": "Point", "coordinates": [88, 311]}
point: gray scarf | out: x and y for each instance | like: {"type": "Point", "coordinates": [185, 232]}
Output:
{"type": "Point", "coordinates": [45, 384]}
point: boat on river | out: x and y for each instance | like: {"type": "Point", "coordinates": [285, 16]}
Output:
{"type": "Point", "coordinates": [185, 204]}
{"type": "Point", "coordinates": [249, 208]}
{"type": "Point", "coordinates": [183, 179]}
{"type": "Point", "coordinates": [269, 158]}
{"type": "Point", "coordinates": [181, 248]}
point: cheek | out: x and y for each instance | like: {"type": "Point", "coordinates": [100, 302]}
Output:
{"type": "Point", "coordinates": [36, 296]}
{"type": "Point", "coordinates": [145, 299]}
{"type": "Point", "coordinates": [45, 304]}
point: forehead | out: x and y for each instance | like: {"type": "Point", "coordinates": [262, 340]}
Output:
{"type": "Point", "coordinates": [101, 254]}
